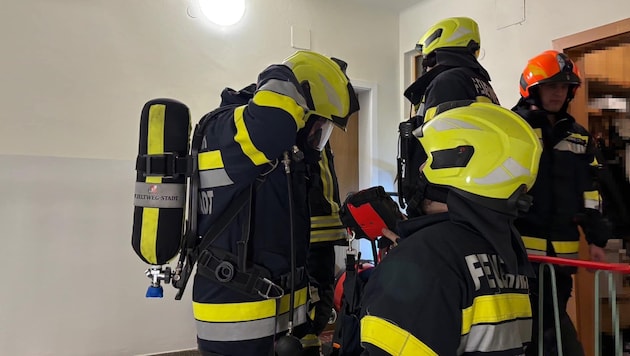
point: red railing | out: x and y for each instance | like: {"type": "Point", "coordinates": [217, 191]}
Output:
{"type": "Point", "coordinates": [598, 267]}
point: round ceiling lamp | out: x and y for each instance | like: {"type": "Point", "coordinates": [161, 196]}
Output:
{"type": "Point", "coordinates": [223, 12]}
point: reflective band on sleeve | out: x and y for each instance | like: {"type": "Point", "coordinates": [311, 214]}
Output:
{"type": "Point", "coordinates": [214, 178]}
{"type": "Point", "coordinates": [534, 243]}
{"type": "Point", "coordinates": [496, 309]}
{"type": "Point", "coordinates": [285, 88]}
{"type": "Point", "coordinates": [592, 200]}
{"type": "Point", "coordinates": [391, 338]}
{"type": "Point", "coordinates": [565, 145]}
{"type": "Point", "coordinates": [274, 100]}
{"type": "Point", "coordinates": [571, 256]}
{"type": "Point", "coordinates": [566, 247]}
{"type": "Point", "coordinates": [164, 195]}
{"type": "Point", "coordinates": [496, 337]}
{"type": "Point", "coordinates": [245, 141]}
{"type": "Point", "coordinates": [210, 160]}
{"type": "Point", "coordinates": [536, 252]}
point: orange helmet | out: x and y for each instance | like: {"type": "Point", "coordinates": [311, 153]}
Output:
{"type": "Point", "coordinates": [549, 67]}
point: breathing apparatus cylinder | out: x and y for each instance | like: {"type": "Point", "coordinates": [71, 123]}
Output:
{"type": "Point", "coordinates": [160, 189]}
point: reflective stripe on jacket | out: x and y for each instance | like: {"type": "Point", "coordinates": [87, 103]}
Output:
{"type": "Point", "coordinates": [565, 186]}
{"type": "Point", "coordinates": [248, 320]}
{"type": "Point", "coordinates": [326, 226]}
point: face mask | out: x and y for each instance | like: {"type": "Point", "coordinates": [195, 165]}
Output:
{"type": "Point", "coordinates": [319, 131]}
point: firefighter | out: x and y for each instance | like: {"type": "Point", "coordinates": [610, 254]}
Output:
{"type": "Point", "coordinates": [565, 193]}
{"type": "Point", "coordinates": [457, 282]}
{"type": "Point", "coordinates": [251, 285]}
{"type": "Point", "coordinates": [450, 72]}
{"type": "Point", "coordinates": [327, 231]}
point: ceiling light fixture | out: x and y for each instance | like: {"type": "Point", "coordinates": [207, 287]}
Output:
{"type": "Point", "coordinates": [223, 12]}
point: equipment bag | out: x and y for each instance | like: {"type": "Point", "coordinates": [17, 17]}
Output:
{"type": "Point", "coordinates": [368, 211]}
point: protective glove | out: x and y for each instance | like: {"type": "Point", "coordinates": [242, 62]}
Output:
{"type": "Point", "coordinates": [597, 228]}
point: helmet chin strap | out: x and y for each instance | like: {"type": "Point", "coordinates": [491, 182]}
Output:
{"type": "Point", "coordinates": [429, 191]}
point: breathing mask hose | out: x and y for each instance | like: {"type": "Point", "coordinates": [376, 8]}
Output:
{"type": "Point", "coordinates": [287, 170]}
{"type": "Point", "coordinates": [288, 344]}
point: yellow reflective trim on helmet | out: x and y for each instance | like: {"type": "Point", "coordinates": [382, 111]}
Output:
{"type": "Point", "coordinates": [150, 216]}
{"type": "Point", "coordinates": [566, 247]}
{"type": "Point", "coordinates": [245, 141]}
{"type": "Point", "coordinates": [494, 309]}
{"type": "Point", "coordinates": [391, 338]}
{"type": "Point", "coordinates": [246, 311]}
{"type": "Point", "coordinates": [286, 103]}
{"type": "Point", "coordinates": [534, 243]}
{"type": "Point", "coordinates": [210, 160]}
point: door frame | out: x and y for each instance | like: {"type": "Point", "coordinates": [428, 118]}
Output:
{"type": "Point", "coordinates": [576, 45]}
{"type": "Point", "coordinates": [367, 93]}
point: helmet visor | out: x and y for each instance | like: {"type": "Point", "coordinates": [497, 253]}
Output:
{"type": "Point", "coordinates": [319, 133]}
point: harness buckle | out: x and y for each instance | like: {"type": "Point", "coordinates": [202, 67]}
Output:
{"type": "Point", "coordinates": [269, 287]}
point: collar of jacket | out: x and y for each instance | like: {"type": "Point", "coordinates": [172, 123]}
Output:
{"type": "Point", "coordinates": [445, 59]}
{"type": "Point", "coordinates": [496, 228]}
{"type": "Point", "coordinates": [552, 134]}
{"type": "Point", "coordinates": [230, 96]}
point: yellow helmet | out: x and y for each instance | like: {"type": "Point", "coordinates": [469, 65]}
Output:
{"type": "Point", "coordinates": [451, 32]}
{"type": "Point", "coordinates": [482, 150]}
{"type": "Point", "coordinates": [325, 82]}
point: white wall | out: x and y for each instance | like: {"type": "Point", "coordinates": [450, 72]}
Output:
{"type": "Point", "coordinates": [74, 76]}
{"type": "Point", "coordinates": [507, 50]}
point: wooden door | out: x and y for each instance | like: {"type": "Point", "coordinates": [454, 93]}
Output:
{"type": "Point", "coordinates": [345, 146]}
{"type": "Point", "coordinates": [599, 56]}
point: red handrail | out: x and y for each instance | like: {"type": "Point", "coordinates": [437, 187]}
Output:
{"type": "Point", "coordinates": [617, 267]}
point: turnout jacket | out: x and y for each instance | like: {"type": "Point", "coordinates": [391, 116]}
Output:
{"type": "Point", "coordinates": [458, 76]}
{"type": "Point", "coordinates": [326, 226]}
{"type": "Point", "coordinates": [457, 284]}
{"type": "Point", "coordinates": [243, 145]}
{"type": "Point", "coordinates": [565, 192]}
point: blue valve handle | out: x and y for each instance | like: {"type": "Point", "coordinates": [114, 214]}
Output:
{"type": "Point", "coordinates": [155, 292]}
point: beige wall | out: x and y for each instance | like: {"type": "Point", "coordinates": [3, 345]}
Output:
{"type": "Point", "coordinates": [74, 76]}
